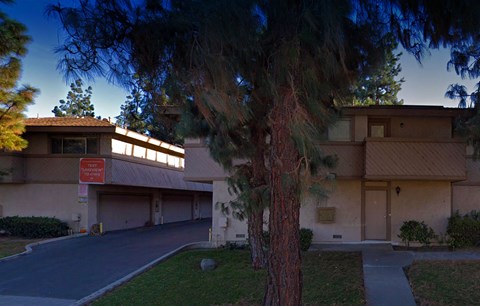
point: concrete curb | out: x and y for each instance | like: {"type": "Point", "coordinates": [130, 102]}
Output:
{"type": "Point", "coordinates": [191, 246]}
{"type": "Point", "coordinates": [28, 247]}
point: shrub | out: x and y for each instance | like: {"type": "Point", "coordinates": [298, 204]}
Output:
{"type": "Point", "coordinates": [34, 227]}
{"type": "Point", "coordinates": [306, 236]}
{"type": "Point", "coordinates": [416, 231]}
{"type": "Point", "coordinates": [464, 231]}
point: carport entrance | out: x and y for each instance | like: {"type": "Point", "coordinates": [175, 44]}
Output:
{"type": "Point", "coordinates": [177, 208]}
{"type": "Point", "coordinates": [118, 212]}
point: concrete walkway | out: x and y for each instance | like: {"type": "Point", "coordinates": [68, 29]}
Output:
{"type": "Point", "coordinates": [384, 279]}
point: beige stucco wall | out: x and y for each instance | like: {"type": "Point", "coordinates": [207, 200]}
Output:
{"type": "Point", "coordinates": [220, 235]}
{"type": "Point", "coordinates": [466, 194]}
{"type": "Point", "coordinates": [360, 128]}
{"type": "Point", "coordinates": [37, 143]}
{"type": "Point", "coordinates": [199, 165]}
{"type": "Point", "coordinates": [420, 201]}
{"type": "Point", "coordinates": [421, 127]}
{"type": "Point", "coordinates": [466, 198]}
{"type": "Point", "coordinates": [12, 168]}
{"type": "Point", "coordinates": [51, 200]}
{"type": "Point", "coordinates": [346, 198]}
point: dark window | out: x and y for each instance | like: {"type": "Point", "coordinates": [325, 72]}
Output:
{"type": "Point", "coordinates": [74, 145]}
{"type": "Point", "coordinates": [92, 147]}
{"type": "Point", "coordinates": [56, 145]}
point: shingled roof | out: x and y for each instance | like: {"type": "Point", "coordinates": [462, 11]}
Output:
{"type": "Point", "coordinates": [68, 122]}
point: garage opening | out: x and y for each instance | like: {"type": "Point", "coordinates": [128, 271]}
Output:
{"type": "Point", "coordinates": [205, 207]}
{"type": "Point", "coordinates": [118, 212]}
{"type": "Point", "coordinates": [177, 208]}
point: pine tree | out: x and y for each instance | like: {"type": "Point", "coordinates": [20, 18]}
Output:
{"type": "Point", "coordinates": [140, 114]}
{"type": "Point", "coordinates": [77, 103]}
{"type": "Point", "coordinates": [131, 116]}
{"type": "Point", "coordinates": [377, 85]}
{"type": "Point", "coordinates": [299, 59]}
{"type": "Point", "coordinates": [13, 100]}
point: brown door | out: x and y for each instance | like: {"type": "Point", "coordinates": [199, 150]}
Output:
{"type": "Point", "coordinates": [375, 214]}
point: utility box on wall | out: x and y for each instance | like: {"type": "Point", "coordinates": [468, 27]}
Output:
{"type": "Point", "coordinates": [326, 214]}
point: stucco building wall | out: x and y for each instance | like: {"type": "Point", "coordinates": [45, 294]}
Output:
{"type": "Point", "coordinates": [427, 201]}
{"type": "Point", "coordinates": [55, 200]}
{"type": "Point", "coordinates": [346, 199]}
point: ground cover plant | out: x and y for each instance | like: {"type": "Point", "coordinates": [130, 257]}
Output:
{"type": "Point", "coordinates": [445, 282]}
{"type": "Point", "coordinates": [13, 245]}
{"type": "Point", "coordinates": [331, 278]}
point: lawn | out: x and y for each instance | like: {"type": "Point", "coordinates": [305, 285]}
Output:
{"type": "Point", "coordinates": [12, 245]}
{"type": "Point", "coordinates": [330, 278]}
{"type": "Point", "coordinates": [445, 282]}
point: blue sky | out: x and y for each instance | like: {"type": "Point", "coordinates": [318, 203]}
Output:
{"type": "Point", "coordinates": [424, 84]}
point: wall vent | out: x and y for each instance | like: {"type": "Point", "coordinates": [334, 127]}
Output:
{"type": "Point", "coordinates": [337, 236]}
{"type": "Point", "coordinates": [240, 236]}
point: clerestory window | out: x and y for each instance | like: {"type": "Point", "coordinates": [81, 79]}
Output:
{"type": "Point", "coordinates": [74, 145]}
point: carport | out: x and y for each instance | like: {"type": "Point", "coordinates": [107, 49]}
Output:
{"type": "Point", "coordinates": [124, 211]}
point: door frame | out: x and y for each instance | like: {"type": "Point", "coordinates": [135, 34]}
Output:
{"type": "Point", "coordinates": [381, 186]}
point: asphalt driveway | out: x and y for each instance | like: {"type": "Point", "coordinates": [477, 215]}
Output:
{"type": "Point", "coordinates": [62, 272]}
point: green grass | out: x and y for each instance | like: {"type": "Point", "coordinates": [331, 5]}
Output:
{"type": "Point", "coordinates": [330, 278]}
{"type": "Point", "coordinates": [11, 245]}
{"type": "Point", "coordinates": [445, 282]}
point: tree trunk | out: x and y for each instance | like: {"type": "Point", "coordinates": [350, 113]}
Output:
{"type": "Point", "coordinates": [255, 220]}
{"type": "Point", "coordinates": [255, 237]}
{"type": "Point", "coordinates": [284, 280]}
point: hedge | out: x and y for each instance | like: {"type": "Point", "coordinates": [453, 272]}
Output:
{"type": "Point", "coordinates": [464, 231]}
{"type": "Point", "coordinates": [33, 227]}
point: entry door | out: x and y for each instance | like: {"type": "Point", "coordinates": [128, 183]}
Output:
{"type": "Point", "coordinates": [375, 214]}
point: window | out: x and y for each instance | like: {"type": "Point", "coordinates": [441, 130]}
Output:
{"type": "Point", "coordinates": [74, 145]}
{"type": "Point", "coordinates": [378, 128]}
{"type": "Point", "coordinates": [340, 131]}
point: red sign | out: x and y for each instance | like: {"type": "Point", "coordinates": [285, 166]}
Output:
{"type": "Point", "coordinates": [92, 171]}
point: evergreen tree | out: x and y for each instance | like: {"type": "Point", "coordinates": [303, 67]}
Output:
{"type": "Point", "coordinates": [141, 114]}
{"type": "Point", "coordinates": [131, 116]}
{"type": "Point", "coordinates": [377, 85]}
{"type": "Point", "coordinates": [78, 102]}
{"type": "Point", "coordinates": [299, 60]}
{"type": "Point", "coordinates": [465, 60]}
{"type": "Point", "coordinates": [13, 100]}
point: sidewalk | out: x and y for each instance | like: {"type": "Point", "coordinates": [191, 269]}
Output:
{"type": "Point", "coordinates": [384, 280]}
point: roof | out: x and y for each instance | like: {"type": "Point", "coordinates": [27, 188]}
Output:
{"type": "Point", "coordinates": [68, 122]}
{"type": "Point", "coordinates": [406, 110]}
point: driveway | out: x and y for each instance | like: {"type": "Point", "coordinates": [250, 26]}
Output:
{"type": "Point", "coordinates": [59, 273]}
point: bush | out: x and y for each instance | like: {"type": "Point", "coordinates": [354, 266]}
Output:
{"type": "Point", "coordinates": [34, 227]}
{"type": "Point", "coordinates": [416, 231]}
{"type": "Point", "coordinates": [306, 236]}
{"type": "Point", "coordinates": [464, 231]}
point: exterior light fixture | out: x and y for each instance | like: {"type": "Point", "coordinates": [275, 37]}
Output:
{"type": "Point", "coordinates": [397, 190]}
